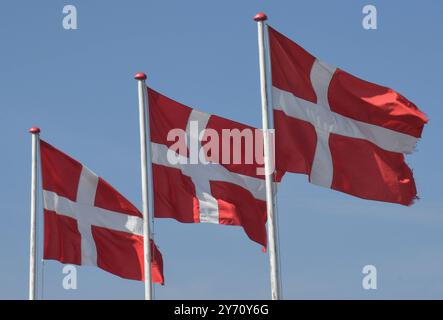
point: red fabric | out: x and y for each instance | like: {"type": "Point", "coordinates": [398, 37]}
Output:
{"type": "Point", "coordinates": [156, 265]}
{"type": "Point", "coordinates": [367, 171]}
{"type": "Point", "coordinates": [62, 239]}
{"type": "Point", "coordinates": [375, 104]}
{"type": "Point", "coordinates": [161, 123]}
{"type": "Point", "coordinates": [294, 155]}
{"type": "Point", "coordinates": [174, 192]}
{"type": "Point", "coordinates": [107, 197]}
{"type": "Point", "coordinates": [238, 207]}
{"type": "Point", "coordinates": [120, 253]}
{"type": "Point", "coordinates": [291, 66]}
{"type": "Point", "coordinates": [360, 167]}
{"type": "Point", "coordinates": [60, 172]}
{"type": "Point", "coordinates": [220, 124]}
{"type": "Point", "coordinates": [174, 195]}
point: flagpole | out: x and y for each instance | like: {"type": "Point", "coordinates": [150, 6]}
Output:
{"type": "Point", "coordinates": [32, 246]}
{"type": "Point", "coordinates": [260, 18]}
{"type": "Point", "coordinates": [146, 172]}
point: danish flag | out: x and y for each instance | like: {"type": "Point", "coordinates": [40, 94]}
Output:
{"type": "Point", "coordinates": [345, 133]}
{"type": "Point", "coordinates": [88, 222]}
{"type": "Point", "coordinates": [213, 192]}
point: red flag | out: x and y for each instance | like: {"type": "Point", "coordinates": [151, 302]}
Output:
{"type": "Point", "coordinates": [345, 133]}
{"type": "Point", "coordinates": [221, 192]}
{"type": "Point", "coordinates": [88, 222]}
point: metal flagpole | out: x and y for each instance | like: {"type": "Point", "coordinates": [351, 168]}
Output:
{"type": "Point", "coordinates": [32, 247]}
{"type": "Point", "coordinates": [146, 172]}
{"type": "Point", "coordinates": [260, 18]}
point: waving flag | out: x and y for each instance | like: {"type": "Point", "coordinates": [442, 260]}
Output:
{"type": "Point", "coordinates": [88, 222]}
{"type": "Point", "coordinates": [220, 192]}
{"type": "Point", "coordinates": [345, 133]}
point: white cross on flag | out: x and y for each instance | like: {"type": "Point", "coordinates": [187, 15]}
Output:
{"type": "Point", "coordinates": [345, 133]}
{"type": "Point", "coordinates": [88, 222]}
{"type": "Point", "coordinates": [218, 192]}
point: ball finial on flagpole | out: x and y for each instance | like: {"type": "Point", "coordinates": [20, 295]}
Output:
{"type": "Point", "coordinates": [140, 76]}
{"type": "Point", "coordinates": [34, 130]}
{"type": "Point", "coordinates": [260, 17]}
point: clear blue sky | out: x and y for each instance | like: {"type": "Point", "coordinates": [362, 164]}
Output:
{"type": "Point", "coordinates": [78, 87]}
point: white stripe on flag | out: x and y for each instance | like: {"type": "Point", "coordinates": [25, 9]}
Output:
{"type": "Point", "coordinates": [386, 139]}
{"type": "Point", "coordinates": [208, 205]}
{"type": "Point", "coordinates": [87, 187]}
{"type": "Point", "coordinates": [211, 171]}
{"type": "Point", "coordinates": [93, 215]}
{"type": "Point", "coordinates": [322, 170]}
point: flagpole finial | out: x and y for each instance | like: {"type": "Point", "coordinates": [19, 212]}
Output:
{"type": "Point", "coordinates": [260, 17]}
{"type": "Point", "coordinates": [140, 76]}
{"type": "Point", "coordinates": [34, 130]}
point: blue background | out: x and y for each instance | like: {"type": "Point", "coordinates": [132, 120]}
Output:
{"type": "Point", "coordinates": [78, 87]}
